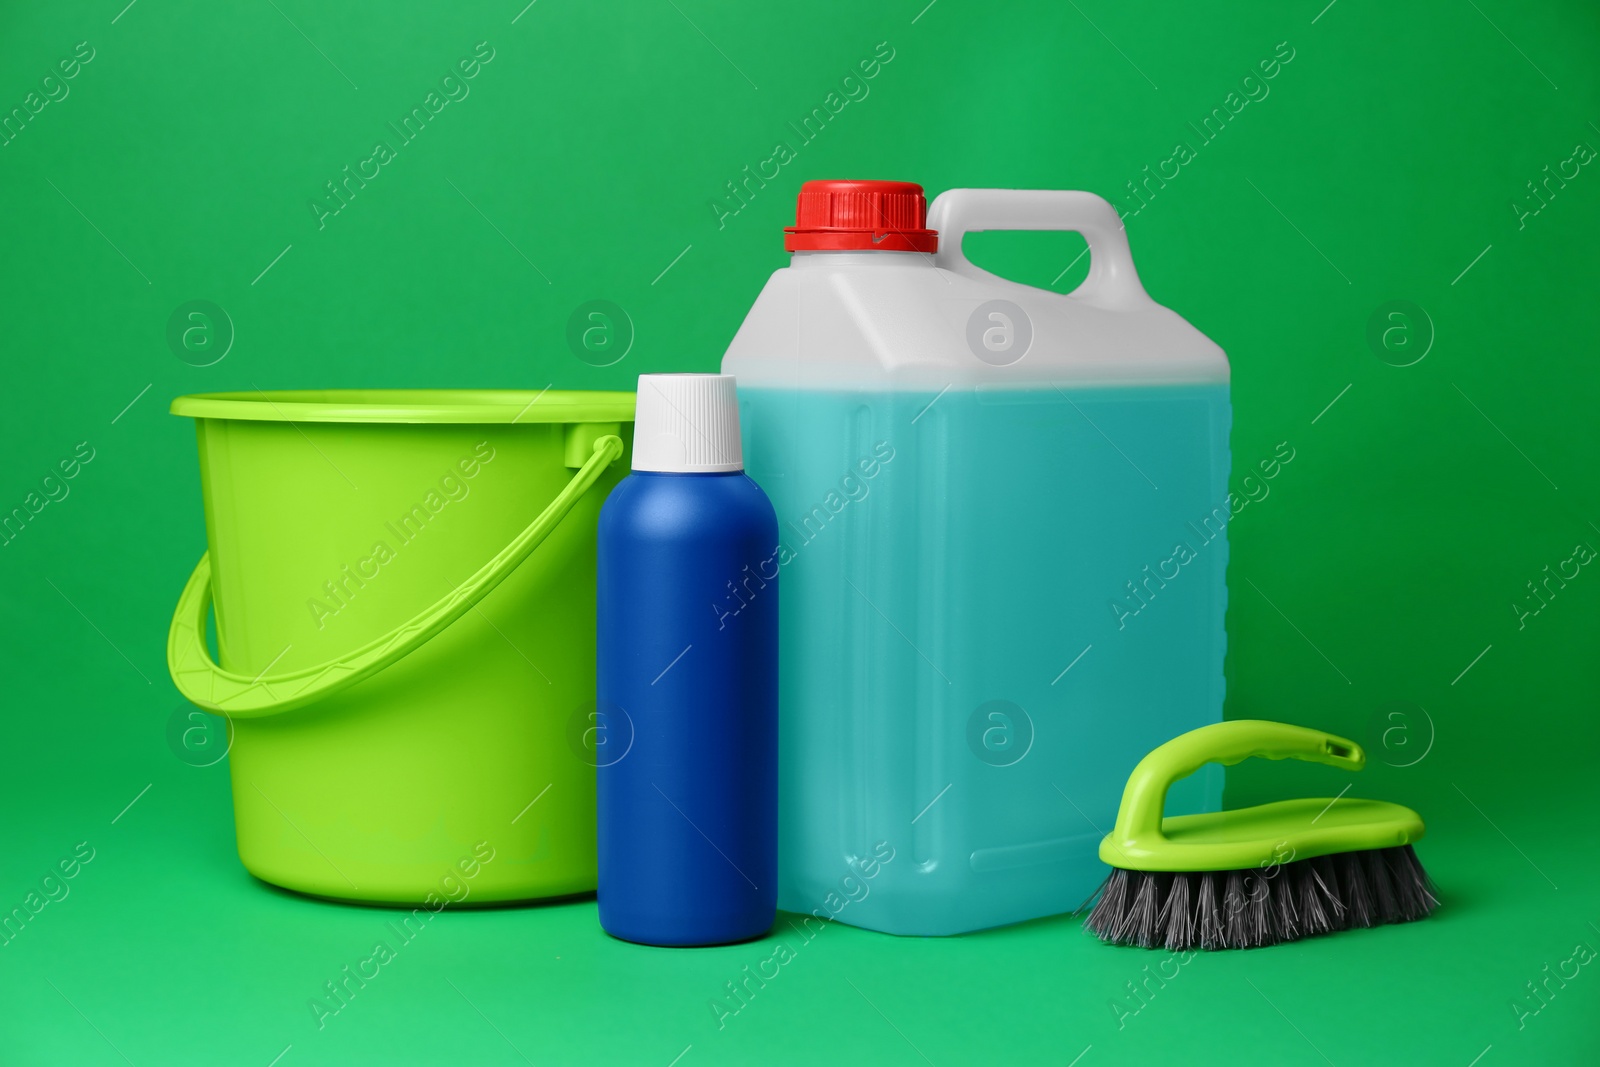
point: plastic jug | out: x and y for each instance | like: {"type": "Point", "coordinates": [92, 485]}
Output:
{"type": "Point", "coordinates": [1002, 517]}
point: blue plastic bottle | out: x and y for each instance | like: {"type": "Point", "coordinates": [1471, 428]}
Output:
{"type": "Point", "coordinates": [688, 678]}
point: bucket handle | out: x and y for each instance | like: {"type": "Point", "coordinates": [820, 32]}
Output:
{"type": "Point", "coordinates": [1113, 283]}
{"type": "Point", "coordinates": [240, 696]}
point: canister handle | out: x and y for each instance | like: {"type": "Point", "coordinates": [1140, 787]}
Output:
{"type": "Point", "coordinates": [240, 696]}
{"type": "Point", "coordinates": [1113, 283]}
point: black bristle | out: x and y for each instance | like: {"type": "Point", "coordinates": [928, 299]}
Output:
{"type": "Point", "coordinates": [1283, 894]}
{"type": "Point", "coordinates": [1314, 919]}
{"type": "Point", "coordinates": [1328, 883]}
{"type": "Point", "coordinates": [1355, 892]}
{"type": "Point", "coordinates": [1146, 909]}
{"type": "Point", "coordinates": [1263, 925]}
{"type": "Point", "coordinates": [1321, 910]}
{"type": "Point", "coordinates": [1386, 909]}
{"type": "Point", "coordinates": [1105, 918]}
{"type": "Point", "coordinates": [1413, 889]}
{"type": "Point", "coordinates": [1248, 913]}
{"type": "Point", "coordinates": [1112, 902]}
{"type": "Point", "coordinates": [1177, 914]}
{"type": "Point", "coordinates": [1250, 908]}
{"type": "Point", "coordinates": [1208, 913]}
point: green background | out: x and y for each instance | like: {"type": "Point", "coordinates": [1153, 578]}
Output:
{"type": "Point", "coordinates": [1372, 590]}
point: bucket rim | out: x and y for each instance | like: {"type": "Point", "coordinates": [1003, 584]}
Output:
{"type": "Point", "coordinates": [411, 405]}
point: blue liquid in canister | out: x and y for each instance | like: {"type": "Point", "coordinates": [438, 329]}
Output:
{"type": "Point", "coordinates": [995, 603]}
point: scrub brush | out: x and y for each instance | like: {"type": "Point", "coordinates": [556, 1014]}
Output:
{"type": "Point", "coordinates": [1255, 876]}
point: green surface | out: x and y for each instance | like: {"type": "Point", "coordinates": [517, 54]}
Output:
{"type": "Point", "coordinates": [1379, 582]}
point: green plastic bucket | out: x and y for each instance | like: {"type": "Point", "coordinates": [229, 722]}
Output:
{"type": "Point", "coordinates": [404, 587]}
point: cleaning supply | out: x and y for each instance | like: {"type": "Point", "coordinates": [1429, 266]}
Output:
{"type": "Point", "coordinates": [688, 678]}
{"type": "Point", "coordinates": [404, 590]}
{"type": "Point", "coordinates": [1003, 518]}
{"type": "Point", "coordinates": [1255, 876]}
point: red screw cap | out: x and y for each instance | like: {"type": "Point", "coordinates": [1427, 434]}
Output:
{"type": "Point", "coordinates": [839, 216]}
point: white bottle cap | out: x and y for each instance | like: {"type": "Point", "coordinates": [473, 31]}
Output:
{"type": "Point", "coordinates": [687, 423]}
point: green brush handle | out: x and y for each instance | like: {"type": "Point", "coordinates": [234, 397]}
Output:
{"type": "Point", "coordinates": [1139, 817]}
